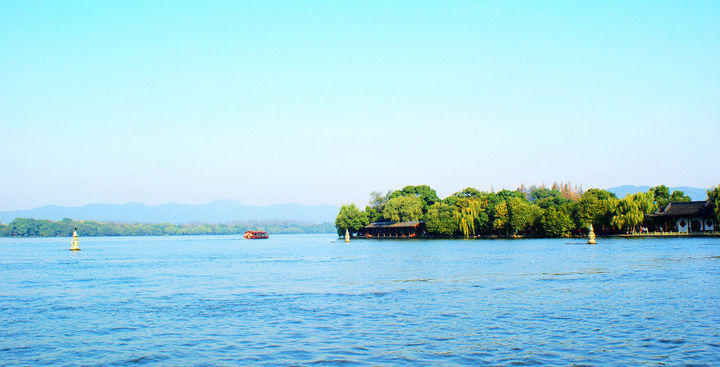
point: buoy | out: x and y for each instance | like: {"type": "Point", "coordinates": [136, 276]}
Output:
{"type": "Point", "coordinates": [591, 236]}
{"type": "Point", "coordinates": [74, 243]}
{"type": "Point", "coordinates": [347, 235]}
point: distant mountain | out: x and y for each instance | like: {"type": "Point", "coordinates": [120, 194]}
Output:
{"type": "Point", "coordinates": [220, 211]}
{"type": "Point", "coordinates": [694, 193]}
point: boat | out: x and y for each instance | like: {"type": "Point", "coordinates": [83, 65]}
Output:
{"type": "Point", "coordinates": [255, 235]}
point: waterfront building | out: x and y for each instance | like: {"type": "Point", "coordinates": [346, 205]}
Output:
{"type": "Point", "coordinates": [393, 230]}
{"type": "Point", "coordinates": [692, 216]}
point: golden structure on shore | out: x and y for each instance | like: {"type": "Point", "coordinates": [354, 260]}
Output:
{"type": "Point", "coordinates": [591, 236]}
{"type": "Point", "coordinates": [347, 235]}
{"type": "Point", "coordinates": [74, 243]}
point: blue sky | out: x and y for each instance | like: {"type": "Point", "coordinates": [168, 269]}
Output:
{"type": "Point", "coordinates": [323, 102]}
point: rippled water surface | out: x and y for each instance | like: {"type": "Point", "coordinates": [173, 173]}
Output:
{"type": "Point", "coordinates": [311, 299]}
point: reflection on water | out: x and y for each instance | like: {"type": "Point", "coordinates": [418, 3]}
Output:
{"type": "Point", "coordinates": [315, 300]}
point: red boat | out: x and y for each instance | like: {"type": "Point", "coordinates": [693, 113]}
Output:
{"type": "Point", "coordinates": [255, 235]}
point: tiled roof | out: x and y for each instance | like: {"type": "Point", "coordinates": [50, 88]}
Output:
{"type": "Point", "coordinates": [687, 209]}
{"type": "Point", "coordinates": [392, 224]}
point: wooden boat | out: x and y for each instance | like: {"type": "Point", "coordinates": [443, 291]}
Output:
{"type": "Point", "coordinates": [255, 235]}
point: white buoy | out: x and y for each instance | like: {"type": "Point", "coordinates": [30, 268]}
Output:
{"type": "Point", "coordinates": [347, 235]}
{"type": "Point", "coordinates": [591, 236]}
{"type": "Point", "coordinates": [74, 243]}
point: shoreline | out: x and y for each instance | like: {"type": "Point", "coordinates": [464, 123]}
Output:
{"type": "Point", "coordinates": [636, 235]}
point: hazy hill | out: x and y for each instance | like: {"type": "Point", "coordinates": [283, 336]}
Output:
{"type": "Point", "coordinates": [220, 211]}
{"type": "Point", "coordinates": [223, 211]}
{"type": "Point", "coordinates": [693, 192]}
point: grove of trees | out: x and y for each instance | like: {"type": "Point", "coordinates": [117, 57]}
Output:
{"type": "Point", "coordinates": [28, 227]}
{"type": "Point", "coordinates": [558, 211]}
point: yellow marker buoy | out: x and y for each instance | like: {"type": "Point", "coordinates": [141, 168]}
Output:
{"type": "Point", "coordinates": [347, 235]}
{"type": "Point", "coordinates": [591, 236]}
{"type": "Point", "coordinates": [74, 243]}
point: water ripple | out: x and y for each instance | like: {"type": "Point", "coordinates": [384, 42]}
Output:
{"type": "Point", "coordinates": [307, 300]}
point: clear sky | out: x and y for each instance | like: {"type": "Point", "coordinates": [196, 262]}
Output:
{"type": "Point", "coordinates": [323, 102]}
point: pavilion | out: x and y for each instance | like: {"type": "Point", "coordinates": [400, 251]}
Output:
{"type": "Point", "coordinates": [393, 229]}
{"type": "Point", "coordinates": [692, 216]}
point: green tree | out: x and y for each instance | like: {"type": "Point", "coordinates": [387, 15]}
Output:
{"type": "Point", "coordinates": [440, 220]}
{"type": "Point", "coordinates": [501, 218]}
{"type": "Point", "coordinates": [23, 227]}
{"type": "Point", "coordinates": [596, 207]}
{"type": "Point", "coordinates": [645, 202]}
{"type": "Point", "coordinates": [505, 194]}
{"type": "Point", "coordinates": [522, 214]}
{"type": "Point", "coordinates": [556, 223]}
{"type": "Point", "coordinates": [515, 215]}
{"type": "Point", "coordinates": [350, 218]}
{"type": "Point", "coordinates": [539, 193]}
{"type": "Point", "coordinates": [46, 229]}
{"type": "Point", "coordinates": [679, 196]}
{"type": "Point", "coordinates": [65, 227]}
{"type": "Point", "coordinates": [627, 214]}
{"type": "Point", "coordinates": [714, 198]}
{"type": "Point", "coordinates": [377, 199]}
{"type": "Point", "coordinates": [468, 192]}
{"type": "Point", "coordinates": [425, 193]}
{"type": "Point", "coordinates": [546, 198]}
{"type": "Point", "coordinates": [374, 214]}
{"type": "Point", "coordinates": [470, 215]}
{"type": "Point", "coordinates": [661, 194]}
{"type": "Point", "coordinates": [403, 209]}
{"type": "Point", "coordinates": [376, 205]}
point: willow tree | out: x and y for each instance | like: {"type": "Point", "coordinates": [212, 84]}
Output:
{"type": "Point", "coordinates": [470, 215]}
{"type": "Point", "coordinates": [627, 214]}
{"type": "Point", "coordinates": [465, 217]}
{"type": "Point", "coordinates": [645, 202]}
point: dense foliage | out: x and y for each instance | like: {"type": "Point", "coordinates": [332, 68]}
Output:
{"type": "Point", "coordinates": [557, 211]}
{"type": "Point", "coordinates": [26, 227]}
{"type": "Point", "coordinates": [714, 197]}
{"type": "Point", "coordinates": [350, 218]}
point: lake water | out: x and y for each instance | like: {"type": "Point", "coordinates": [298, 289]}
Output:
{"type": "Point", "coordinates": [314, 300]}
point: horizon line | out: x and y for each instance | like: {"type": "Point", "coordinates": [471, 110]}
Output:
{"type": "Point", "coordinates": [296, 203]}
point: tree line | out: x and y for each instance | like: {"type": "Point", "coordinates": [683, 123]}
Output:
{"type": "Point", "coordinates": [29, 227]}
{"type": "Point", "coordinates": [558, 211]}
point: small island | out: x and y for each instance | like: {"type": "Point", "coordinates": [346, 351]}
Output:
{"type": "Point", "coordinates": [536, 211]}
